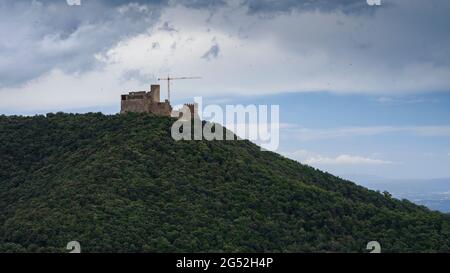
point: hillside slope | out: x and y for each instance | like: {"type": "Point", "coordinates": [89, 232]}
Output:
{"type": "Point", "coordinates": [121, 184]}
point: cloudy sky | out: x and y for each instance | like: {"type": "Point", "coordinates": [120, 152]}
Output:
{"type": "Point", "coordinates": [362, 89]}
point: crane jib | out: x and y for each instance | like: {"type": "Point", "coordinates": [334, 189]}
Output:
{"type": "Point", "coordinates": [168, 79]}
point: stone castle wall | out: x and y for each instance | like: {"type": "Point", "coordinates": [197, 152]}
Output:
{"type": "Point", "coordinates": [133, 105]}
{"type": "Point", "coordinates": [145, 102]}
{"type": "Point", "coordinates": [149, 102]}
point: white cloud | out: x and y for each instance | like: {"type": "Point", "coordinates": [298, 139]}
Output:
{"type": "Point", "coordinates": [393, 101]}
{"type": "Point", "coordinates": [58, 91]}
{"type": "Point", "coordinates": [306, 134]}
{"type": "Point", "coordinates": [345, 159]}
{"type": "Point", "coordinates": [299, 154]}
{"type": "Point", "coordinates": [314, 159]}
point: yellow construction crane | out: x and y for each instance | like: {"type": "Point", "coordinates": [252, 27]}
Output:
{"type": "Point", "coordinates": [168, 79]}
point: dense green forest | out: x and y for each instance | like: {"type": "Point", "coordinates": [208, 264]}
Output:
{"type": "Point", "coordinates": [120, 183]}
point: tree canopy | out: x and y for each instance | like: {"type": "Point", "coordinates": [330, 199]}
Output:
{"type": "Point", "coordinates": [120, 183]}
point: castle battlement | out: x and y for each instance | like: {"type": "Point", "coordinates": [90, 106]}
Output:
{"type": "Point", "coordinates": [193, 110]}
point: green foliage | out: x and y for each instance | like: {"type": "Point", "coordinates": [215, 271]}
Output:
{"type": "Point", "coordinates": [121, 184]}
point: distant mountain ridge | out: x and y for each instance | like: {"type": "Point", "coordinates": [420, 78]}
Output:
{"type": "Point", "coordinates": [120, 183]}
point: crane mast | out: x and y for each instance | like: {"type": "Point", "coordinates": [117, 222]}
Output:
{"type": "Point", "coordinates": [168, 79]}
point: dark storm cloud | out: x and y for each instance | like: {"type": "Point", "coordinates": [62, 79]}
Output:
{"type": "Point", "coordinates": [49, 34]}
{"type": "Point", "coordinates": [167, 27]}
{"type": "Point", "coordinates": [138, 75]}
{"type": "Point", "coordinates": [269, 7]}
{"type": "Point", "coordinates": [401, 36]}
{"type": "Point", "coordinates": [38, 36]}
{"type": "Point", "coordinates": [213, 52]}
{"type": "Point", "coordinates": [43, 35]}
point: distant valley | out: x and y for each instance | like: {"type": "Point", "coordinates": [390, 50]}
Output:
{"type": "Point", "coordinates": [433, 193]}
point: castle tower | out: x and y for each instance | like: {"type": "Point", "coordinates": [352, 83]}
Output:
{"type": "Point", "coordinates": [155, 92]}
{"type": "Point", "coordinates": [192, 109]}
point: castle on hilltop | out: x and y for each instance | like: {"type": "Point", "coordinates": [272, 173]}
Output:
{"type": "Point", "coordinates": [150, 102]}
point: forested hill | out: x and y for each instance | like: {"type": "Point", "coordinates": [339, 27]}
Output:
{"type": "Point", "coordinates": [120, 183]}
